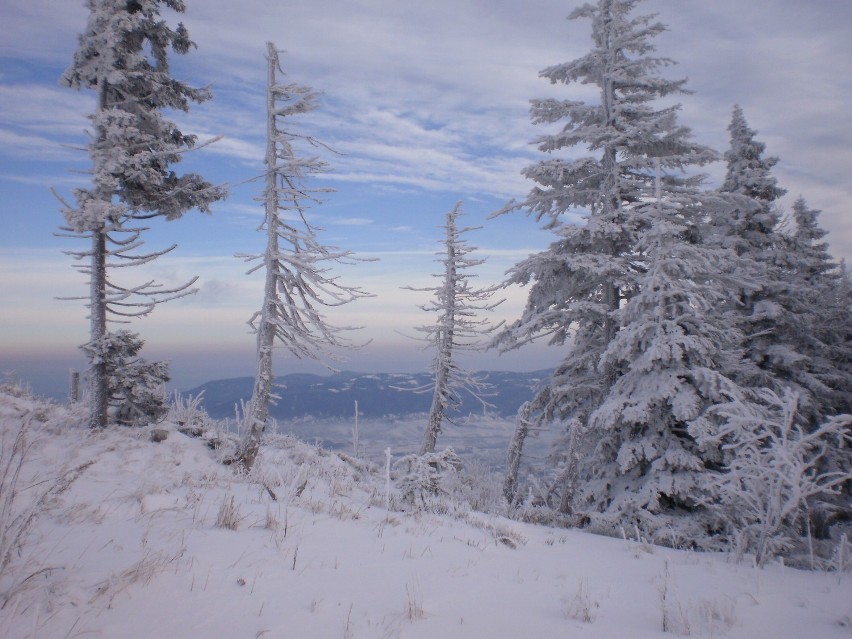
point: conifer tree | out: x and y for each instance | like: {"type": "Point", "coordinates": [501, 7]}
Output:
{"type": "Point", "coordinates": [820, 300]}
{"type": "Point", "coordinates": [648, 434]}
{"type": "Point", "coordinates": [580, 283]}
{"type": "Point", "coordinates": [788, 308]}
{"type": "Point", "coordinates": [457, 328]}
{"type": "Point", "coordinates": [785, 441]}
{"type": "Point", "coordinates": [297, 283]}
{"type": "Point", "coordinates": [136, 387]}
{"type": "Point", "coordinates": [749, 228]}
{"type": "Point", "coordinates": [749, 174]}
{"type": "Point", "coordinates": [786, 334]}
{"type": "Point", "coordinates": [123, 57]}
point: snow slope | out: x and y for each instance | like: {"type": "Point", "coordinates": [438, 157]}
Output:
{"type": "Point", "coordinates": [132, 549]}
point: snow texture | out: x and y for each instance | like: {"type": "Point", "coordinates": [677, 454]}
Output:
{"type": "Point", "coordinates": [132, 549]}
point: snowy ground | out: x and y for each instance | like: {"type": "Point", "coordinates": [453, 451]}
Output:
{"type": "Point", "coordinates": [132, 549]}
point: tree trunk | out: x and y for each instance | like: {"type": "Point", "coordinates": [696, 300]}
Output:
{"type": "Point", "coordinates": [570, 474]}
{"type": "Point", "coordinates": [612, 186]}
{"type": "Point", "coordinates": [442, 388]}
{"type": "Point", "coordinates": [74, 390]}
{"type": "Point", "coordinates": [445, 339]}
{"type": "Point", "coordinates": [436, 413]}
{"type": "Point", "coordinates": [516, 448]}
{"type": "Point", "coordinates": [98, 387]}
{"type": "Point", "coordinates": [258, 412]}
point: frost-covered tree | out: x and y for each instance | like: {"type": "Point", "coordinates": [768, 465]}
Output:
{"type": "Point", "coordinates": [775, 469]}
{"type": "Point", "coordinates": [459, 326]}
{"type": "Point", "coordinates": [820, 325]}
{"type": "Point", "coordinates": [580, 283]}
{"type": "Point", "coordinates": [820, 300]}
{"type": "Point", "coordinates": [298, 284]}
{"type": "Point", "coordinates": [760, 308]}
{"type": "Point", "coordinates": [812, 257]}
{"type": "Point", "coordinates": [749, 173]}
{"type": "Point", "coordinates": [670, 352]}
{"type": "Point", "coordinates": [136, 387]}
{"type": "Point", "coordinates": [421, 478]}
{"type": "Point", "coordinates": [749, 224]}
{"type": "Point", "coordinates": [123, 57]}
{"type": "Point", "coordinates": [788, 311]}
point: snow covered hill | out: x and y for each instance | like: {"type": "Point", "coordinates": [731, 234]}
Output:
{"type": "Point", "coordinates": [125, 537]}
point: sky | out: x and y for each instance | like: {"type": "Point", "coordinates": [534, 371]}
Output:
{"type": "Point", "coordinates": [425, 105]}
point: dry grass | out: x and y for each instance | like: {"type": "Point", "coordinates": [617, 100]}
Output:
{"type": "Point", "coordinates": [229, 514]}
{"type": "Point", "coordinates": [582, 606]}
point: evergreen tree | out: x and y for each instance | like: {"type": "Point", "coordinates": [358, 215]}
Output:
{"type": "Point", "coordinates": [749, 174]}
{"type": "Point", "coordinates": [819, 299]}
{"type": "Point", "coordinates": [457, 327]}
{"type": "Point", "coordinates": [759, 309]}
{"type": "Point", "coordinates": [297, 284]}
{"type": "Point", "coordinates": [580, 283]}
{"type": "Point", "coordinates": [794, 322]}
{"type": "Point", "coordinates": [788, 313]}
{"type": "Point", "coordinates": [649, 461]}
{"type": "Point", "coordinates": [820, 303]}
{"type": "Point", "coordinates": [123, 57]}
{"type": "Point", "coordinates": [136, 387]}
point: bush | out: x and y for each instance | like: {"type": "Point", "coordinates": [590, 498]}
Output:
{"type": "Point", "coordinates": [136, 386]}
{"type": "Point", "coordinates": [422, 476]}
{"type": "Point", "coordinates": [775, 469]}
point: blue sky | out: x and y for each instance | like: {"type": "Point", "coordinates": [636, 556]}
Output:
{"type": "Point", "coordinates": [427, 105]}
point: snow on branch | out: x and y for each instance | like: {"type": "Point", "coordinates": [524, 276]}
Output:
{"type": "Point", "coordinates": [298, 284]}
{"type": "Point", "coordinates": [775, 469]}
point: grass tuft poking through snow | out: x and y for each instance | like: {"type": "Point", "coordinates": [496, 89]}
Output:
{"type": "Point", "coordinates": [582, 606]}
{"type": "Point", "coordinates": [229, 514]}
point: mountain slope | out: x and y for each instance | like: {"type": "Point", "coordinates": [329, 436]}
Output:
{"type": "Point", "coordinates": [135, 548]}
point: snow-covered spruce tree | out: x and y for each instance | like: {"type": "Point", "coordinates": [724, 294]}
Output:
{"type": "Point", "coordinates": [785, 313]}
{"type": "Point", "coordinates": [749, 229]}
{"type": "Point", "coordinates": [747, 226]}
{"type": "Point", "coordinates": [820, 300]}
{"type": "Point", "coordinates": [578, 284]}
{"type": "Point", "coordinates": [762, 309]}
{"type": "Point", "coordinates": [298, 283]}
{"type": "Point", "coordinates": [819, 304]}
{"type": "Point", "coordinates": [649, 464]}
{"type": "Point", "coordinates": [123, 57]}
{"type": "Point", "coordinates": [136, 387]}
{"type": "Point", "coordinates": [458, 327]}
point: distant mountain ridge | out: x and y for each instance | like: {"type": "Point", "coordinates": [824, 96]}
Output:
{"type": "Point", "coordinates": [377, 394]}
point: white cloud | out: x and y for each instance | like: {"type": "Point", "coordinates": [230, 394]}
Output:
{"type": "Point", "coordinates": [352, 221]}
{"type": "Point", "coordinates": [45, 109]}
{"type": "Point", "coordinates": [32, 146]}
